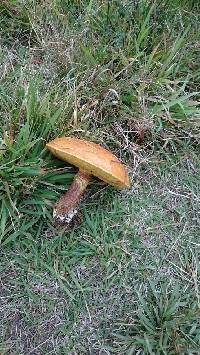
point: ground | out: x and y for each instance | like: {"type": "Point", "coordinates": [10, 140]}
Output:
{"type": "Point", "coordinates": [125, 75]}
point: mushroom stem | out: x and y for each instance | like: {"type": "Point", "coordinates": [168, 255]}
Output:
{"type": "Point", "coordinates": [67, 206]}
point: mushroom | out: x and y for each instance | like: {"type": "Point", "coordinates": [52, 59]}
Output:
{"type": "Point", "coordinates": [91, 159]}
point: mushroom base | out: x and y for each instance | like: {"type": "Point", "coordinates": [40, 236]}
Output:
{"type": "Point", "coordinates": [66, 209]}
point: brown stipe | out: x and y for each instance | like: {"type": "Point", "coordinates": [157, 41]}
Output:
{"type": "Point", "coordinates": [66, 208]}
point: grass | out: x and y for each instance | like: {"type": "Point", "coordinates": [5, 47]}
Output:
{"type": "Point", "coordinates": [125, 75]}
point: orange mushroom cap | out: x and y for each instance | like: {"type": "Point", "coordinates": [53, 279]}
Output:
{"type": "Point", "coordinates": [91, 158]}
